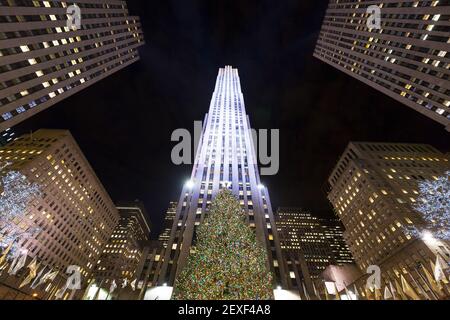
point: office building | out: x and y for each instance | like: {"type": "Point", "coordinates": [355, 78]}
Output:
{"type": "Point", "coordinates": [407, 58]}
{"type": "Point", "coordinates": [123, 252]}
{"type": "Point", "coordinates": [309, 245]}
{"type": "Point", "coordinates": [43, 61]}
{"type": "Point", "coordinates": [171, 212]}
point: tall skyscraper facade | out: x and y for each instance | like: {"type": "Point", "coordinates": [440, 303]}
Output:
{"type": "Point", "coordinates": [171, 212]}
{"type": "Point", "coordinates": [123, 252]}
{"type": "Point", "coordinates": [43, 61]}
{"type": "Point", "coordinates": [225, 159]}
{"type": "Point", "coordinates": [309, 245]}
{"type": "Point", "coordinates": [407, 58]}
{"type": "Point", "coordinates": [374, 188]}
{"type": "Point", "coordinates": [74, 214]}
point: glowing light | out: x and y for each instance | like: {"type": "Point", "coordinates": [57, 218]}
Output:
{"type": "Point", "coordinates": [189, 184]}
{"type": "Point", "coordinates": [261, 187]}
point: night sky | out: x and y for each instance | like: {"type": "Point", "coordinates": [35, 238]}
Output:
{"type": "Point", "coordinates": [124, 123]}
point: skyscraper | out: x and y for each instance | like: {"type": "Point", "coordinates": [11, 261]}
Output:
{"type": "Point", "coordinates": [225, 159]}
{"type": "Point", "coordinates": [74, 214]}
{"type": "Point", "coordinates": [309, 245]}
{"type": "Point", "coordinates": [407, 58]}
{"type": "Point", "coordinates": [171, 212]}
{"type": "Point", "coordinates": [123, 252]}
{"type": "Point", "coordinates": [42, 61]}
{"type": "Point", "coordinates": [373, 190]}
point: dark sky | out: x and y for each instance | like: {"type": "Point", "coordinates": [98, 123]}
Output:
{"type": "Point", "coordinates": [124, 123]}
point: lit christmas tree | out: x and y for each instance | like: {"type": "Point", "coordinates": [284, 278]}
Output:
{"type": "Point", "coordinates": [434, 206]}
{"type": "Point", "coordinates": [16, 192]}
{"type": "Point", "coordinates": [228, 263]}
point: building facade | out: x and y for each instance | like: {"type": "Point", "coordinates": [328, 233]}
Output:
{"type": "Point", "coordinates": [6, 136]}
{"type": "Point", "coordinates": [406, 59]}
{"type": "Point", "coordinates": [171, 212]}
{"type": "Point", "coordinates": [309, 245]}
{"type": "Point", "coordinates": [225, 159]}
{"type": "Point", "coordinates": [74, 214]}
{"type": "Point", "coordinates": [123, 252]}
{"type": "Point", "coordinates": [373, 190]}
{"type": "Point", "coordinates": [43, 61]}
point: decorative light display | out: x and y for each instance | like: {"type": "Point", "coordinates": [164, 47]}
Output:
{"type": "Point", "coordinates": [16, 192]}
{"type": "Point", "coordinates": [228, 263]}
{"type": "Point", "coordinates": [434, 206]}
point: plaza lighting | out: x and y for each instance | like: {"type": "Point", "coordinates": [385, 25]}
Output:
{"type": "Point", "coordinates": [189, 184]}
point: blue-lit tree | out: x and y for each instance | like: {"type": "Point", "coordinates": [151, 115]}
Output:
{"type": "Point", "coordinates": [433, 204]}
{"type": "Point", "coordinates": [16, 192]}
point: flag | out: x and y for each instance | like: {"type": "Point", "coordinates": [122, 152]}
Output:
{"type": "Point", "coordinates": [387, 293]}
{"type": "Point", "coordinates": [439, 274]}
{"type": "Point", "coordinates": [33, 266]}
{"type": "Point", "coordinates": [399, 290]}
{"type": "Point", "coordinates": [378, 295]}
{"type": "Point", "coordinates": [393, 291]}
{"type": "Point", "coordinates": [368, 293]}
{"type": "Point", "coordinates": [436, 286]}
{"type": "Point", "coordinates": [305, 291]}
{"type": "Point", "coordinates": [347, 293]}
{"type": "Point", "coordinates": [124, 283]}
{"type": "Point", "coordinates": [112, 287]}
{"type": "Point", "coordinates": [60, 293]}
{"type": "Point", "coordinates": [315, 292]}
{"type": "Point", "coordinates": [5, 253]}
{"type": "Point", "coordinates": [97, 294]}
{"type": "Point", "coordinates": [17, 264]}
{"type": "Point", "coordinates": [49, 276]}
{"type": "Point", "coordinates": [35, 281]}
{"type": "Point", "coordinates": [408, 290]}
{"type": "Point", "coordinates": [133, 284]}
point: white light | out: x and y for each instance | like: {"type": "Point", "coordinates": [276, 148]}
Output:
{"type": "Point", "coordinates": [189, 184]}
{"type": "Point", "coordinates": [279, 288]}
{"type": "Point", "coordinates": [165, 285]}
{"type": "Point", "coordinates": [261, 187]}
{"type": "Point", "coordinates": [428, 238]}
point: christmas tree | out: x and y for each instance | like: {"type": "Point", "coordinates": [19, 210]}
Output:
{"type": "Point", "coordinates": [228, 262]}
{"type": "Point", "coordinates": [16, 192]}
{"type": "Point", "coordinates": [433, 205]}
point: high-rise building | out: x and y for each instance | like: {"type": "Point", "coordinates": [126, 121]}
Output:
{"type": "Point", "coordinates": [42, 61]}
{"type": "Point", "coordinates": [374, 188]}
{"type": "Point", "coordinates": [73, 213]}
{"type": "Point", "coordinates": [171, 212]}
{"type": "Point", "coordinates": [407, 58]}
{"type": "Point", "coordinates": [309, 245]}
{"type": "Point", "coordinates": [123, 252]}
{"type": "Point", "coordinates": [225, 159]}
